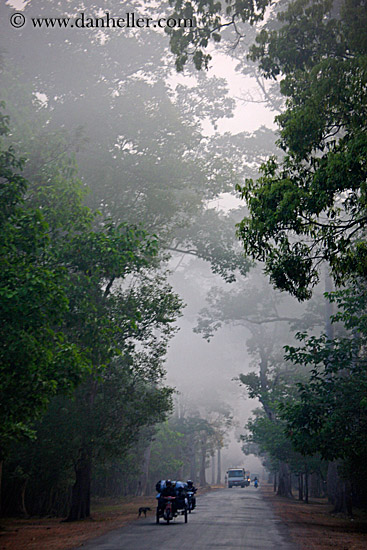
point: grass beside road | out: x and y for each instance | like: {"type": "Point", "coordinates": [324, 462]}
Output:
{"type": "Point", "coordinates": [313, 527]}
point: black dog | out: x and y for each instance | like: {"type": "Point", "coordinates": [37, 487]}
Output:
{"type": "Point", "coordinates": [143, 510]}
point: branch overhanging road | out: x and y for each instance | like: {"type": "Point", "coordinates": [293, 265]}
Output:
{"type": "Point", "coordinates": [235, 519]}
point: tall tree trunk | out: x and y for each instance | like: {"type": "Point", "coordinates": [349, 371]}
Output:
{"type": "Point", "coordinates": [300, 486]}
{"type": "Point", "coordinates": [181, 472]}
{"type": "Point", "coordinates": [264, 399]}
{"type": "Point", "coordinates": [284, 483]}
{"type": "Point", "coordinates": [1, 477]}
{"type": "Point", "coordinates": [348, 498]}
{"type": "Point", "coordinates": [275, 482]}
{"type": "Point", "coordinates": [338, 490]}
{"type": "Point", "coordinates": [143, 480]}
{"type": "Point", "coordinates": [306, 486]}
{"type": "Point", "coordinates": [22, 499]}
{"type": "Point", "coordinates": [332, 482]}
{"type": "Point", "coordinates": [192, 460]}
{"type": "Point", "coordinates": [213, 469]}
{"type": "Point", "coordinates": [80, 498]}
{"type": "Point", "coordinates": [219, 466]}
{"type": "Point", "coordinates": [80, 495]}
{"type": "Point", "coordinates": [329, 309]}
{"type": "Point", "coordinates": [202, 478]}
{"type": "Point", "coordinates": [315, 485]}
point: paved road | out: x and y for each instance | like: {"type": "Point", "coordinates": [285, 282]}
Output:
{"type": "Point", "coordinates": [234, 519]}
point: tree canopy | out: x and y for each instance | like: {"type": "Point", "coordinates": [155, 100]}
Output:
{"type": "Point", "coordinates": [37, 357]}
{"type": "Point", "coordinates": [310, 207]}
{"type": "Point", "coordinates": [136, 138]}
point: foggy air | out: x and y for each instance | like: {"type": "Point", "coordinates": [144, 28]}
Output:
{"type": "Point", "coordinates": [183, 273]}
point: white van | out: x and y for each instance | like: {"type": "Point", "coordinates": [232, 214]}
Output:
{"type": "Point", "coordinates": [236, 478]}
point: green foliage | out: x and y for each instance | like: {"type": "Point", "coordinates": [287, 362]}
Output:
{"type": "Point", "coordinates": [329, 415]}
{"type": "Point", "coordinates": [272, 442]}
{"type": "Point", "coordinates": [82, 302]}
{"type": "Point", "coordinates": [326, 416]}
{"type": "Point", "coordinates": [305, 209]}
{"type": "Point", "coordinates": [137, 141]}
{"type": "Point", "coordinates": [311, 207]}
{"type": "Point", "coordinates": [209, 18]}
{"type": "Point", "coordinates": [306, 35]}
{"type": "Point", "coordinates": [183, 445]}
{"type": "Point", "coordinates": [37, 359]}
{"type": "Point", "coordinates": [125, 335]}
{"type": "Point", "coordinates": [211, 235]}
{"type": "Point", "coordinates": [257, 307]}
{"type": "Point", "coordinates": [59, 318]}
{"type": "Point", "coordinates": [168, 453]}
{"type": "Point", "coordinates": [123, 405]}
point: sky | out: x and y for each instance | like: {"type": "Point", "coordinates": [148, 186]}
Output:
{"type": "Point", "coordinates": [247, 116]}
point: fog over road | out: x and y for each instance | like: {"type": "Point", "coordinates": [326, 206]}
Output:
{"type": "Point", "coordinates": [224, 519]}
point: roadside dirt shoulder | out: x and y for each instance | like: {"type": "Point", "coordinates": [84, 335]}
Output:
{"type": "Point", "coordinates": [53, 534]}
{"type": "Point", "coordinates": [313, 527]}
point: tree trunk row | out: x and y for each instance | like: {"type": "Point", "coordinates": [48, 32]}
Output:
{"type": "Point", "coordinates": [284, 481]}
{"type": "Point", "coordinates": [80, 498]}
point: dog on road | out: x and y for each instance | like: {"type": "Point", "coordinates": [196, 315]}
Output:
{"type": "Point", "coordinates": [143, 510]}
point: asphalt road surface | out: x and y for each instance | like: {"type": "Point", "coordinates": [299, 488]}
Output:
{"type": "Point", "coordinates": [230, 519]}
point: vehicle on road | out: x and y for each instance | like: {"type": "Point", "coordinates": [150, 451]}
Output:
{"type": "Point", "coordinates": [236, 477]}
{"type": "Point", "coordinates": [170, 509]}
{"type": "Point", "coordinates": [191, 501]}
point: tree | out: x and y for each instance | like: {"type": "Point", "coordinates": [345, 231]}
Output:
{"type": "Point", "coordinates": [108, 429]}
{"type": "Point", "coordinates": [268, 318]}
{"type": "Point", "coordinates": [122, 395]}
{"type": "Point", "coordinates": [275, 447]}
{"type": "Point", "coordinates": [210, 18]}
{"type": "Point", "coordinates": [137, 322]}
{"type": "Point", "coordinates": [37, 357]}
{"type": "Point", "coordinates": [60, 319]}
{"type": "Point", "coordinates": [137, 141]}
{"type": "Point", "coordinates": [144, 161]}
{"type": "Point", "coordinates": [51, 474]}
{"type": "Point", "coordinates": [328, 414]}
{"type": "Point", "coordinates": [168, 454]}
{"type": "Point", "coordinates": [189, 439]}
{"type": "Point", "coordinates": [311, 207]}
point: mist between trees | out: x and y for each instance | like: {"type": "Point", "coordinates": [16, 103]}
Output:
{"type": "Point", "coordinates": [107, 174]}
